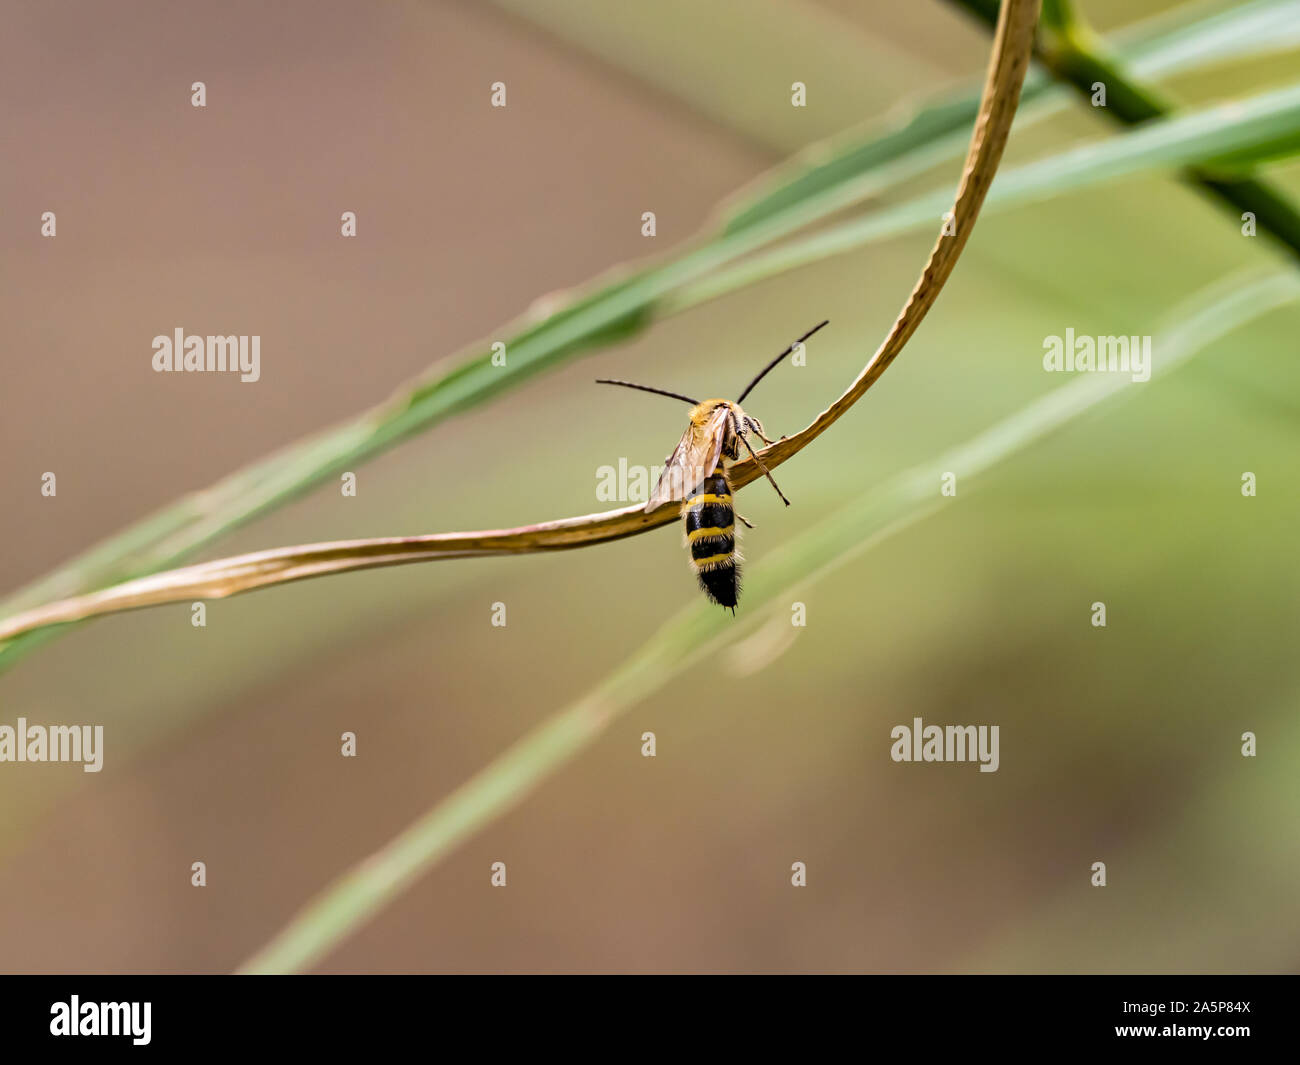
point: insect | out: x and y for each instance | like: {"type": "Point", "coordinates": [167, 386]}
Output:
{"type": "Point", "coordinates": [696, 474]}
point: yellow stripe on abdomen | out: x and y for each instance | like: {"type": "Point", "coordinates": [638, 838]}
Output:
{"type": "Point", "coordinates": [707, 534]}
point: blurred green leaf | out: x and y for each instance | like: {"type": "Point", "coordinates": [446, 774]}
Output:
{"type": "Point", "coordinates": [931, 134]}
{"type": "Point", "coordinates": [1186, 39]}
{"type": "Point", "coordinates": [1178, 44]}
{"type": "Point", "coordinates": [1260, 123]}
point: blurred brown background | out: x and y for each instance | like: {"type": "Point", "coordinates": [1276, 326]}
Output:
{"type": "Point", "coordinates": [222, 743]}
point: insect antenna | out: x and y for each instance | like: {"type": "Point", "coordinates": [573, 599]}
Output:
{"type": "Point", "coordinates": [647, 388]}
{"type": "Point", "coordinates": [773, 364]}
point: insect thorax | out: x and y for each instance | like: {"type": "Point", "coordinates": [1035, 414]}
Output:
{"type": "Point", "coordinates": [703, 412]}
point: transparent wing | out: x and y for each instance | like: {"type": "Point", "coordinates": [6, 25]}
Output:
{"type": "Point", "coordinates": [695, 457]}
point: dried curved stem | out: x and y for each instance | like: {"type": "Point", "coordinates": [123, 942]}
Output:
{"type": "Point", "coordinates": [220, 578]}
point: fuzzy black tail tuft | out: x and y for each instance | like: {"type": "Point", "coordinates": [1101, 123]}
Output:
{"type": "Point", "coordinates": [721, 584]}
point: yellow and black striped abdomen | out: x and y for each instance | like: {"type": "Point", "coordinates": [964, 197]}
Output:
{"type": "Point", "coordinates": [711, 539]}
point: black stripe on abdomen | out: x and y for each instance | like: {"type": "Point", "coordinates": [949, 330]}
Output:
{"type": "Point", "coordinates": [710, 524]}
{"type": "Point", "coordinates": [704, 550]}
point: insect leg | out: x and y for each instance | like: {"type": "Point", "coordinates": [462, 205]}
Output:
{"type": "Point", "coordinates": [764, 469]}
{"type": "Point", "coordinates": [751, 424]}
